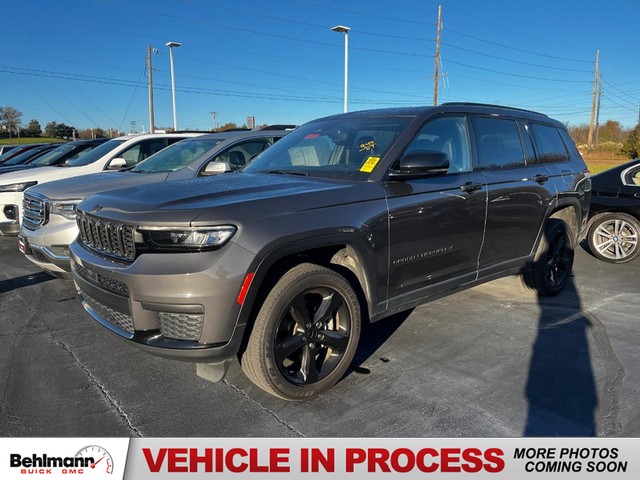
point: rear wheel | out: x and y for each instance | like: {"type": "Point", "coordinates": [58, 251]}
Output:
{"type": "Point", "coordinates": [553, 262]}
{"type": "Point", "coordinates": [613, 237]}
{"type": "Point", "coordinates": [305, 334]}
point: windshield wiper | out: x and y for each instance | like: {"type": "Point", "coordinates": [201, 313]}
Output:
{"type": "Point", "coordinates": [289, 172]}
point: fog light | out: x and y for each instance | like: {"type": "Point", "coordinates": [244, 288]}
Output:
{"type": "Point", "coordinates": [181, 326]}
{"type": "Point", "coordinates": [11, 212]}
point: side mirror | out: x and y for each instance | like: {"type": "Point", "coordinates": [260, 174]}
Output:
{"type": "Point", "coordinates": [215, 168]}
{"type": "Point", "coordinates": [421, 163]}
{"type": "Point", "coordinates": [117, 163]}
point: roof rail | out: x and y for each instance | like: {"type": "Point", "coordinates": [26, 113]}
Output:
{"type": "Point", "coordinates": [280, 127]}
{"type": "Point", "coordinates": [474, 104]}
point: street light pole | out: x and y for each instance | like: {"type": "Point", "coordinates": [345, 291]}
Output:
{"type": "Point", "coordinates": [345, 30]}
{"type": "Point", "coordinates": [173, 83]}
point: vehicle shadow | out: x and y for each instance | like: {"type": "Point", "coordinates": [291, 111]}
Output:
{"type": "Point", "coordinates": [372, 337]}
{"type": "Point", "coordinates": [561, 388]}
{"type": "Point", "coordinates": [24, 281]}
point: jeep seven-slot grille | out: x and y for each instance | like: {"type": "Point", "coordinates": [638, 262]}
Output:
{"type": "Point", "coordinates": [35, 211]}
{"type": "Point", "coordinates": [109, 238]}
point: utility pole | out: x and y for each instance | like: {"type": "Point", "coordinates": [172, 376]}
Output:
{"type": "Point", "coordinates": [436, 76]}
{"type": "Point", "coordinates": [214, 116]}
{"type": "Point", "coordinates": [593, 101]}
{"type": "Point", "coordinates": [152, 127]}
{"type": "Point", "coordinates": [598, 110]}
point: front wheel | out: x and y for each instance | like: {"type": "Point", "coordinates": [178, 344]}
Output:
{"type": "Point", "coordinates": [613, 237]}
{"type": "Point", "coordinates": [553, 261]}
{"type": "Point", "coordinates": [305, 334]}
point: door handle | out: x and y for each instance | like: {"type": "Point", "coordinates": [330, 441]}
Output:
{"type": "Point", "coordinates": [541, 179]}
{"type": "Point", "coordinates": [636, 195]}
{"type": "Point", "coordinates": [470, 187]}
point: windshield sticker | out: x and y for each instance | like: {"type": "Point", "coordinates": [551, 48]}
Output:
{"type": "Point", "coordinates": [369, 164]}
{"type": "Point", "coordinates": [367, 146]}
{"type": "Point", "coordinates": [312, 135]}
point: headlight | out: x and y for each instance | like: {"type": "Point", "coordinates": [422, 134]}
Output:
{"type": "Point", "coordinates": [66, 208]}
{"type": "Point", "coordinates": [17, 187]}
{"type": "Point", "coordinates": [192, 239]}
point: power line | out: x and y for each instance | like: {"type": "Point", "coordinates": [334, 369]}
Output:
{"type": "Point", "coordinates": [519, 33]}
{"type": "Point", "coordinates": [518, 49]}
{"type": "Point", "coordinates": [363, 14]}
{"type": "Point", "coordinates": [516, 74]}
{"type": "Point", "coordinates": [515, 61]}
{"type": "Point", "coordinates": [299, 22]}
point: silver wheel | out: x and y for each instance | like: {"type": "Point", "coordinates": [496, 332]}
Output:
{"type": "Point", "coordinates": [614, 238]}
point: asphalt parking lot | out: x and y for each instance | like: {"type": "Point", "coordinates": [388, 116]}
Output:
{"type": "Point", "coordinates": [490, 361]}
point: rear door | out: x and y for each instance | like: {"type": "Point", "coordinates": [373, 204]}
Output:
{"type": "Point", "coordinates": [518, 188]}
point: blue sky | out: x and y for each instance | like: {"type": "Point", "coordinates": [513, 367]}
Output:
{"type": "Point", "coordinates": [82, 62]}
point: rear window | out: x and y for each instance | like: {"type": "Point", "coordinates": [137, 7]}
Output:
{"type": "Point", "coordinates": [499, 143]}
{"type": "Point", "coordinates": [549, 144]}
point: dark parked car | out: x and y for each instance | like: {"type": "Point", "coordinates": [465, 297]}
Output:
{"type": "Point", "coordinates": [614, 225]}
{"type": "Point", "coordinates": [5, 148]}
{"type": "Point", "coordinates": [60, 155]}
{"type": "Point", "coordinates": [17, 150]}
{"type": "Point", "coordinates": [17, 162]}
{"type": "Point", "coordinates": [349, 218]}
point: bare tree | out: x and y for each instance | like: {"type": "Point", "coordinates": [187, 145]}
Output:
{"type": "Point", "coordinates": [11, 118]}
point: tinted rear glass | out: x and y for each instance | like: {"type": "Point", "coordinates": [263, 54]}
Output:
{"type": "Point", "coordinates": [549, 144]}
{"type": "Point", "coordinates": [498, 143]}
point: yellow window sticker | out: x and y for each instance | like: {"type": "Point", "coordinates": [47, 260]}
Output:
{"type": "Point", "coordinates": [369, 164]}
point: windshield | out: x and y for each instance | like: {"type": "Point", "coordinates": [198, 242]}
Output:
{"type": "Point", "coordinates": [177, 156]}
{"type": "Point", "coordinates": [47, 158]}
{"type": "Point", "coordinates": [25, 156]}
{"type": "Point", "coordinates": [95, 154]}
{"type": "Point", "coordinates": [10, 154]}
{"type": "Point", "coordinates": [346, 148]}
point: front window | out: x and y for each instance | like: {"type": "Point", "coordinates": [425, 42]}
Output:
{"type": "Point", "coordinates": [96, 154]}
{"type": "Point", "coordinates": [177, 156]}
{"type": "Point", "coordinates": [345, 148]}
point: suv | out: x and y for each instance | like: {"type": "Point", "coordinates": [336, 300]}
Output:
{"type": "Point", "coordinates": [48, 222]}
{"type": "Point", "coordinates": [349, 218]}
{"type": "Point", "coordinates": [115, 154]}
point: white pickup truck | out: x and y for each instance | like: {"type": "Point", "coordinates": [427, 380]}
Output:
{"type": "Point", "coordinates": [114, 155]}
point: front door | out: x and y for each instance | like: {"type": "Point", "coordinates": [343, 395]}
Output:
{"type": "Point", "coordinates": [436, 224]}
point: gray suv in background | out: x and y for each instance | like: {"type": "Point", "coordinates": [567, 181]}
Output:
{"type": "Point", "coordinates": [348, 219]}
{"type": "Point", "coordinates": [48, 222]}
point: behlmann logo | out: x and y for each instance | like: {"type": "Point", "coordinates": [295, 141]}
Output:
{"type": "Point", "coordinates": [87, 460]}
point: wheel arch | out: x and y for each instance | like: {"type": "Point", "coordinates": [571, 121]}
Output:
{"type": "Point", "coordinates": [344, 254]}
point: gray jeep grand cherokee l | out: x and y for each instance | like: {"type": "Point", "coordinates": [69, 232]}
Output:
{"type": "Point", "coordinates": [348, 219]}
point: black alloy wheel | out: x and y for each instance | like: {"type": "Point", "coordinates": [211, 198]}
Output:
{"type": "Point", "coordinates": [305, 334]}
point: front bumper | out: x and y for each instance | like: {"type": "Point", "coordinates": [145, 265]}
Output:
{"type": "Point", "coordinates": [181, 306]}
{"type": "Point", "coordinates": [10, 228]}
{"type": "Point", "coordinates": [49, 245]}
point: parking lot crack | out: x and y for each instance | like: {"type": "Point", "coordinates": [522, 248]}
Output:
{"type": "Point", "coordinates": [264, 409]}
{"type": "Point", "coordinates": [101, 388]}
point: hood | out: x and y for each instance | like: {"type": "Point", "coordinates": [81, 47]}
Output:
{"type": "Point", "coordinates": [15, 168]}
{"type": "Point", "coordinates": [75, 188]}
{"type": "Point", "coordinates": [232, 196]}
{"type": "Point", "coordinates": [39, 174]}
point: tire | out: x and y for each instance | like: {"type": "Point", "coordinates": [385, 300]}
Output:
{"type": "Point", "coordinates": [551, 269]}
{"type": "Point", "coordinates": [613, 237]}
{"type": "Point", "coordinates": [305, 334]}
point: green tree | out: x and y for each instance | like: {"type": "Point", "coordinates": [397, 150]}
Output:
{"type": "Point", "coordinates": [50, 129]}
{"type": "Point", "coordinates": [611, 131]}
{"type": "Point", "coordinates": [631, 148]}
{"type": "Point", "coordinates": [33, 129]}
{"type": "Point", "coordinates": [64, 131]}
